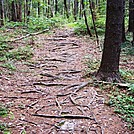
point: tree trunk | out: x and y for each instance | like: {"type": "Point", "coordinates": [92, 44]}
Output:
{"type": "Point", "coordinates": [19, 11]}
{"type": "Point", "coordinates": [75, 9]}
{"type": "Point", "coordinates": [109, 68]}
{"type": "Point", "coordinates": [123, 26]}
{"type": "Point", "coordinates": [13, 12]}
{"type": "Point", "coordinates": [131, 18]}
{"type": "Point", "coordinates": [86, 22]}
{"type": "Point", "coordinates": [38, 9]}
{"type": "Point", "coordinates": [65, 7]}
{"type": "Point", "coordinates": [56, 7]}
{"type": "Point", "coordinates": [1, 13]}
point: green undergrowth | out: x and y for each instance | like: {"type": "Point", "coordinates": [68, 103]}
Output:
{"type": "Point", "coordinates": [123, 102]}
{"type": "Point", "coordinates": [81, 29]}
{"type": "Point", "coordinates": [122, 99]}
{"type": "Point", "coordinates": [4, 112]}
{"type": "Point", "coordinates": [9, 54]}
{"type": "Point", "coordinates": [91, 63]}
{"type": "Point", "coordinates": [36, 24]}
{"type": "Point", "coordinates": [128, 48]}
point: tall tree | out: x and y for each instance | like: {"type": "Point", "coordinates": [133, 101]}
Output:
{"type": "Point", "coordinates": [109, 68]}
{"type": "Point", "coordinates": [76, 9]}
{"type": "Point", "coordinates": [66, 9]}
{"type": "Point", "coordinates": [86, 22]}
{"type": "Point", "coordinates": [131, 18]}
{"type": "Point", "coordinates": [1, 13]}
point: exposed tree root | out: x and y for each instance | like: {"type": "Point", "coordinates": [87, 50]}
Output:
{"type": "Point", "coordinates": [108, 76]}
{"type": "Point", "coordinates": [49, 84]}
{"type": "Point", "coordinates": [64, 116]}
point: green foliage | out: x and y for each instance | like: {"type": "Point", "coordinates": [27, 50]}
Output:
{"type": "Point", "coordinates": [9, 66]}
{"type": "Point", "coordinates": [127, 48]}
{"type": "Point", "coordinates": [21, 53]}
{"type": "Point", "coordinates": [91, 63]}
{"type": "Point", "coordinates": [8, 55]}
{"type": "Point", "coordinates": [127, 75]}
{"type": "Point", "coordinates": [3, 111]}
{"type": "Point", "coordinates": [3, 128]}
{"type": "Point", "coordinates": [80, 28]}
{"type": "Point", "coordinates": [14, 24]}
{"type": "Point", "coordinates": [124, 106]}
{"type": "Point", "coordinates": [131, 88]}
{"type": "Point", "coordinates": [41, 23]}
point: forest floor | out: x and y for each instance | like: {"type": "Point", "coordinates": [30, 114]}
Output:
{"type": "Point", "coordinates": [52, 84]}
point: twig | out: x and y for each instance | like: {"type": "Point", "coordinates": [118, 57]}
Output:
{"type": "Point", "coordinates": [64, 116]}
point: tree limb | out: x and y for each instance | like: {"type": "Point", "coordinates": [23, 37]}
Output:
{"type": "Point", "coordinates": [28, 35]}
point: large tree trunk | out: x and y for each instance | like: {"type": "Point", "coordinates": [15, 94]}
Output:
{"type": "Point", "coordinates": [109, 68]}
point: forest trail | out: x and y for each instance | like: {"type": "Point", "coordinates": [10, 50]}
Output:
{"type": "Point", "coordinates": [52, 84]}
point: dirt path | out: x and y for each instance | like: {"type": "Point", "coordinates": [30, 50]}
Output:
{"type": "Point", "coordinates": [50, 84]}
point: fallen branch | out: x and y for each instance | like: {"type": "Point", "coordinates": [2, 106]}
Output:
{"type": "Point", "coordinates": [64, 116]}
{"type": "Point", "coordinates": [28, 35]}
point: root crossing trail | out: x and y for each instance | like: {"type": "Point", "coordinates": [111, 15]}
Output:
{"type": "Point", "coordinates": [48, 94]}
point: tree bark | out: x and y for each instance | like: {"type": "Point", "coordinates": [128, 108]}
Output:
{"type": "Point", "coordinates": [65, 7]}
{"type": "Point", "coordinates": [1, 13]}
{"type": "Point", "coordinates": [109, 68]}
{"type": "Point", "coordinates": [86, 22]}
{"type": "Point", "coordinates": [75, 9]}
{"type": "Point", "coordinates": [56, 7]}
{"type": "Point", "coordinates": [13, 12]}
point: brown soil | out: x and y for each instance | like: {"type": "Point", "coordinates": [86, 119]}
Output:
{"type": "Point", "coordinates": [47, 85]}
